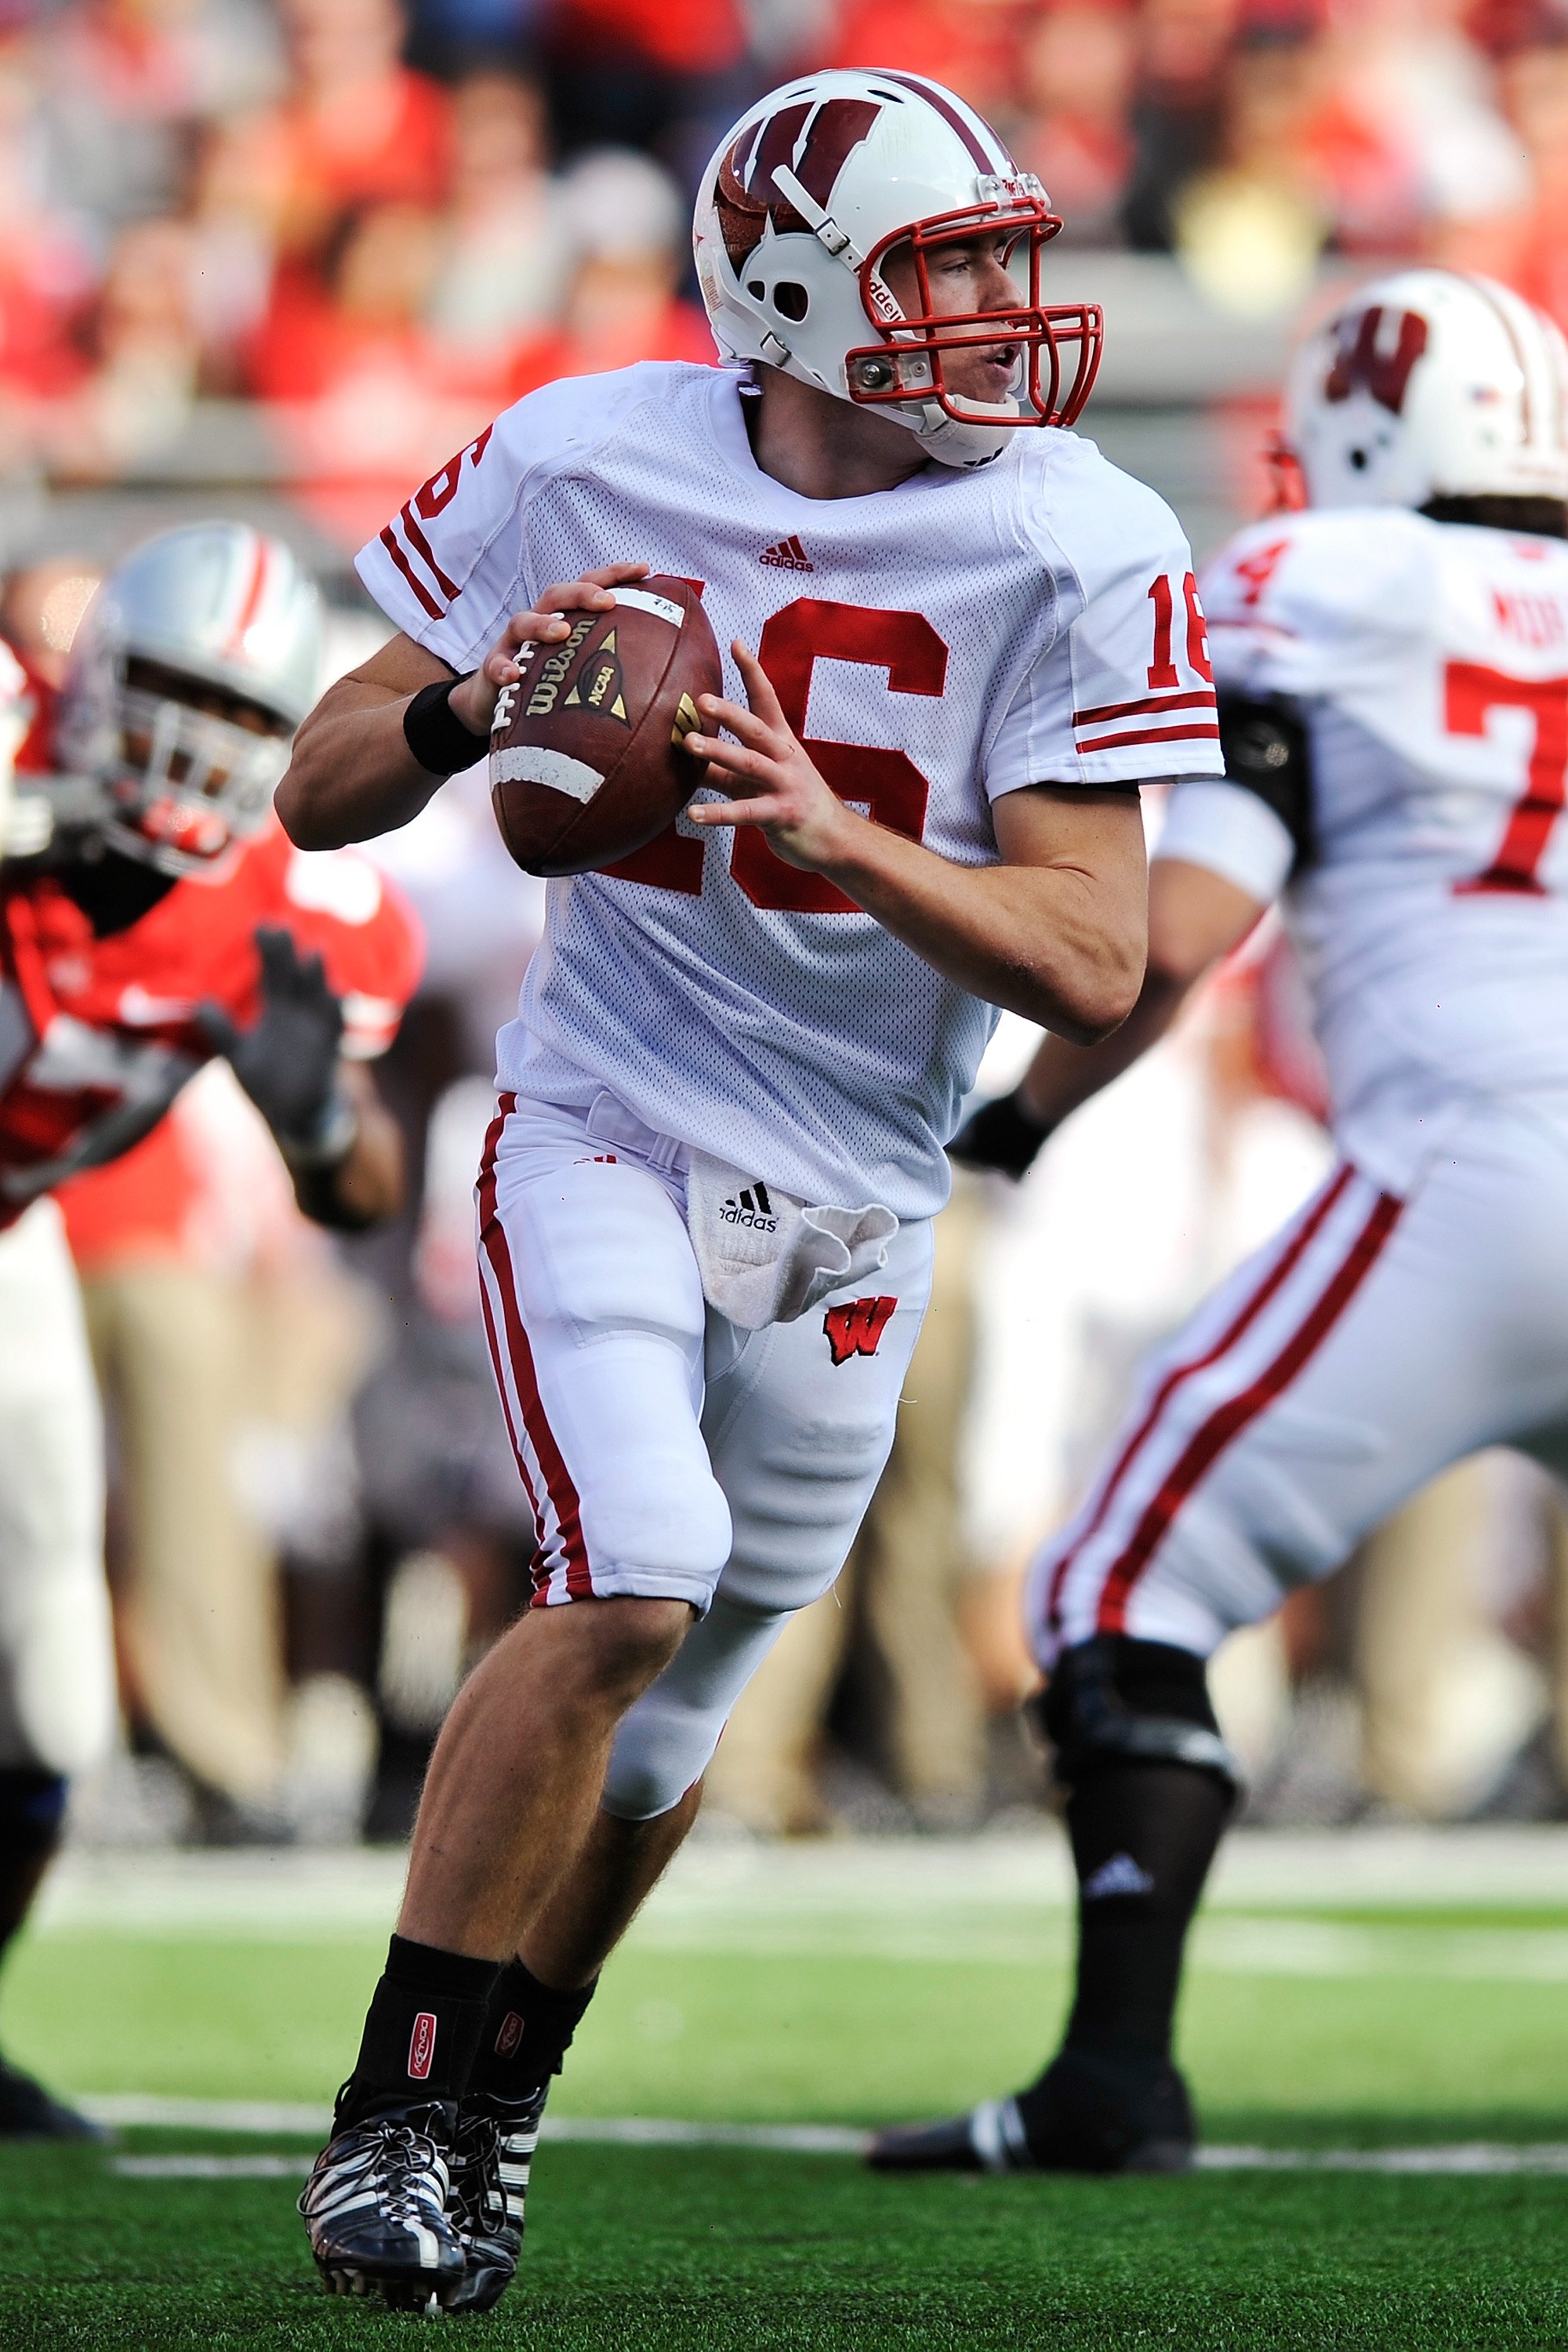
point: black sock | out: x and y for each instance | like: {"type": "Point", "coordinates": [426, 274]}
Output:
{"type": "Point", "coordinates": [421, 2032]}
{"type": "Point", "coordinates": [1143, 1835]}
{"type": "Point", "coordinates": [528, 2031]}
{"type": "Point", "coordinates": [32, 1816]}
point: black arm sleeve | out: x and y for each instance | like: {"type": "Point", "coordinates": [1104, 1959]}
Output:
{"type": "Point", "coordinates": [1267, 752]}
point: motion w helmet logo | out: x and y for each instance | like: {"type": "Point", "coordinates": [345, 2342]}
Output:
{"type": "Point", "coordinates": [1365, 362]}
{"type": "Point", "coordinates": [856, 1330]}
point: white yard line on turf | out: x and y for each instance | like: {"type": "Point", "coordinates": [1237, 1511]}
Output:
{"type": "Point", "coordinates": [251, 2116]}
{"type": "Point", "coordinates": [210, 2168]}
{"type": "Point", "coordinates": [925, 1895]}
{"type": "Point", "coordinates": [1468, 2158]}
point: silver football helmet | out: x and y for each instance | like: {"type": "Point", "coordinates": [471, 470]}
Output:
{"type": "Point", "coordinates": [195, 662]}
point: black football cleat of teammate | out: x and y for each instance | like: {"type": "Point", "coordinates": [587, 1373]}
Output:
{"type": "Point", "coordinates": [375, 2210]}
{"type": "Point", "coordinates": [492, 2152]}
{"type": "Point", "coordinates": [27, 2111]}
{"type": "Point", "coordinates": [1087, 2113]}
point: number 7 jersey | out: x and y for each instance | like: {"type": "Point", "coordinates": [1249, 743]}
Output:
{"type": "Point", "coordinates": [936, 646]}
{"type": "Point", "coordinates": [1429, 883]}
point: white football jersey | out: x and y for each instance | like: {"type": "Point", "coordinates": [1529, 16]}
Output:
{"type": "Point", "coordinates": [1429, 901]}
{"type": "Point", "coordinates": [936, 646]}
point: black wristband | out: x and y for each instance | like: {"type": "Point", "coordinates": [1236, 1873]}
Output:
{"type": "Point", "coordinates": [1000, 1135]}
{"type": "Point", "coordinates": [436, 735]}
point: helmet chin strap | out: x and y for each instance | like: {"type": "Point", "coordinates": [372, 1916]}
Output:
{"type": "Point", "coordinates": [950, 440]}
{"type": "Point", "coordinates": [955, 442]}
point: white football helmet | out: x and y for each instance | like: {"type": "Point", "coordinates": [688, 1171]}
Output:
{"type": "Point", "coordinates": [211, 606]}
{"type": "Point", "coordinates": [797, 212]}
{"type": "Point", "coordinates": [1429, 384]}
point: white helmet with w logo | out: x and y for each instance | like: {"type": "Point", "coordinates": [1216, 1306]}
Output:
{"type": "Point", "coordinates": [1429, 384]}
{"type": "Point", "coordinates": [800, 208]}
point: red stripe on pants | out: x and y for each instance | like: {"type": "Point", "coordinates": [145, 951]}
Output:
{"type": "Point", "coordinates": [1228, 1420]}
{"type": "Point", "coordinates": [519, 1355]}
{"type": "Point", "coordinates": [539, 1574]}
{"type": "Point", "coordinates": [1283, 1267]}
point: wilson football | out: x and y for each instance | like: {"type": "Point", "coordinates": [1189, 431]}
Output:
{"type": "Point", "coordinates": [586, 762]}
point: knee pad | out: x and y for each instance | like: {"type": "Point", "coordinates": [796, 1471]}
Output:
{"type": "Point", "coordinates": [666, 1740]}
{"type": "Point", "coordinates": [32, 1809]}
{"type": "Point", "coordinates": [1114, 1700]}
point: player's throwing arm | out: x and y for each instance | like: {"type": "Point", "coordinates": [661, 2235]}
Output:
{"type": "Point", "coordinates": [383, 741]}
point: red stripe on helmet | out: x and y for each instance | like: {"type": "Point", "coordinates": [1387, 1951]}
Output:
{"type": "Point", "coordinates": [777, 147]}
{"type": "Point", "coordinates": [936, 97]}
{"type": "Point", "coordinates": [251, 605]}
{"type": "Point", "coordinates": [836, 128]}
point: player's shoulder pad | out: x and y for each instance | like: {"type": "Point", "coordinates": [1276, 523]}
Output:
{"type": "Point", "coordinates": [561, 424]}
{"type": "Point", "coordinates": [1074, 503]}
{"type": "Point", "coordinates": [1325, 573]}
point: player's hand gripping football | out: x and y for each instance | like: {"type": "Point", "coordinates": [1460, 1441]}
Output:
{"type": "Point", "coordinates": [473, 700]}
{"type": "Point", "coordinates": [769, 773]}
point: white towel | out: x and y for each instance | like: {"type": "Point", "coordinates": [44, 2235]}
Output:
{"type": "Point", "coordinates": [765, 1257]}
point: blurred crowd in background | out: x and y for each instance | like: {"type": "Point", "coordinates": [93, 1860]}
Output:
{"type": "Point", "coordinates": [384, 227]}
{"type": "Point", "coordinates": [363, 229]}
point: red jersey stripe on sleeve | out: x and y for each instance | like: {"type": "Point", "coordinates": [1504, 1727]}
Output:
{"type": "Point", "coordinates": [389, 541]}
{"type": "Point", "coordinates": [422, 546]}
{"type": "Point", "coordinates": [1201, 698]}
{"type": "Point", "coordinates": [1150, 735]}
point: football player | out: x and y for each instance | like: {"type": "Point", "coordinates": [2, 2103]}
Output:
{"type": "Point", "coordinates": [155, 914]}
{"type": "Point", "coordinates": [961, 640]}
{"type": "Point", "coordinates": [1393, 666]}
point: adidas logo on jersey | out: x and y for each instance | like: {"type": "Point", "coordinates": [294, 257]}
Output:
{"type": "Point", "coordinates": [751, 1207]}
{"type": "Point", "coordinates": [788, 555]}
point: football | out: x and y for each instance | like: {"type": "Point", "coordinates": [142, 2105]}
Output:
{"type": "Point", "coordinates": [587, 758]}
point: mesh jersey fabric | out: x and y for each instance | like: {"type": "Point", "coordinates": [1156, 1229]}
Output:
{"type": "Point", "coordinates": [1430, 661]}
{"type": "Point", "coordinates": [992, 629]}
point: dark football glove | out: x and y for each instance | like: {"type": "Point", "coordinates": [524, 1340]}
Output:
{"type": "Point", "coordinates": [287, 1064]}
{"type": "Point", "coordinates": [1000, 1136]}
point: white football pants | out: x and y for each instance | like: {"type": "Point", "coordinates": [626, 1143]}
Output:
{"type": "Point", "coordinates": [667, 1453]}
{"type": "Point", "coordinates": [56, 1664]}
{"type": "Point", "coordinates": [1369, 1344]}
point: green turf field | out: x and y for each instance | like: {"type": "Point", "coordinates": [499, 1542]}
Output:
{"type": "Point", "coordinates": [838, 1988]}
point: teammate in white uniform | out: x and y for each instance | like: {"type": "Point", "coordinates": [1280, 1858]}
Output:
{"type": "Point", "coordinates": [762, 1026]}
{"type": "Point", "coordinates": [1393, 667]}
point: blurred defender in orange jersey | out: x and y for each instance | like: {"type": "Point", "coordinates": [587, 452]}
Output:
{"type": "Point", "coordinates": [153, 915]}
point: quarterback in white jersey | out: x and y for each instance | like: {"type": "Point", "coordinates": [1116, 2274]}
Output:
{"type": "Point", "coordinates": [957, 646]}
{"type": "Point", "coordinates": [1393, 675]}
